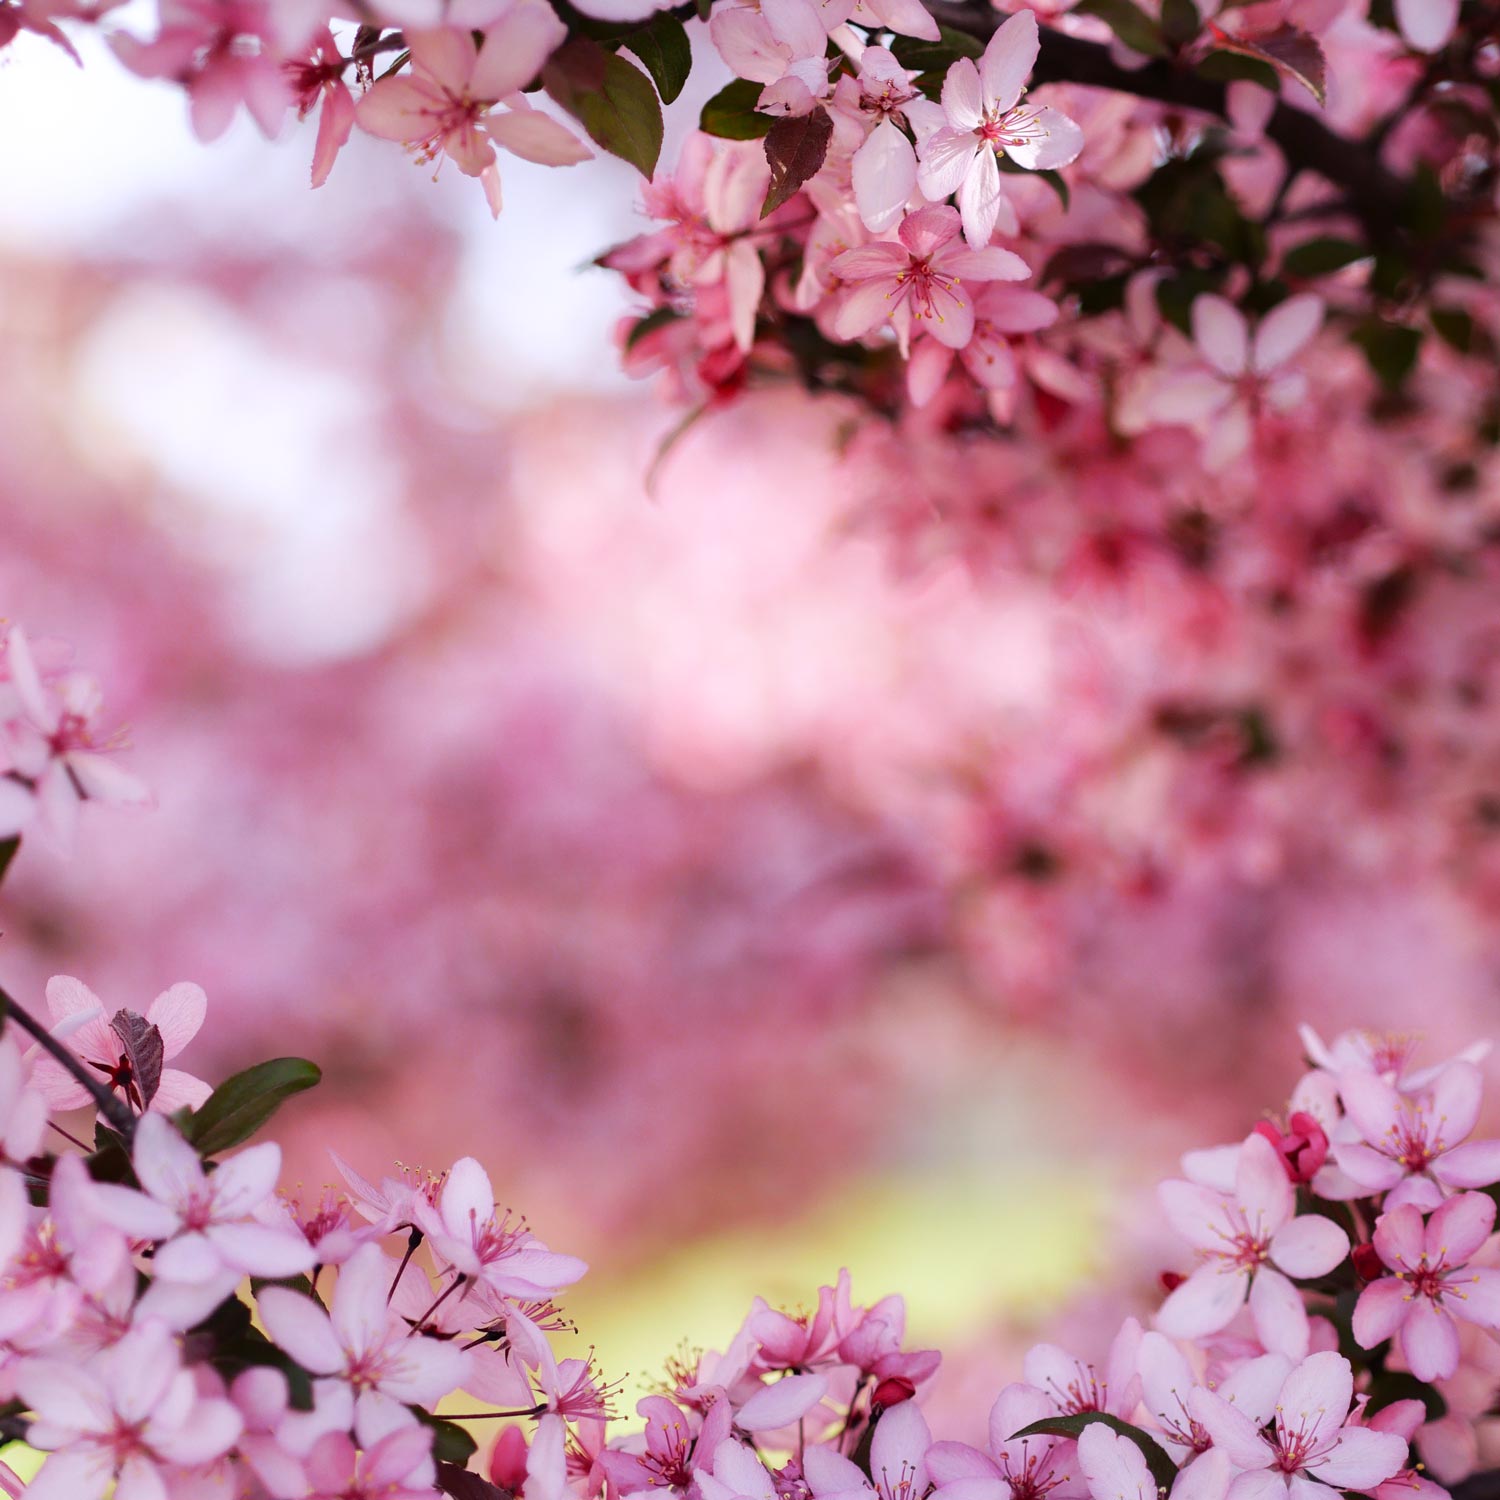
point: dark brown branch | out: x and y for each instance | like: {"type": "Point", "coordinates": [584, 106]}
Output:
{"type": "Point", "coordinates": [1375, 195]}
{"type": "Point", "coordinates": [110, 1106]}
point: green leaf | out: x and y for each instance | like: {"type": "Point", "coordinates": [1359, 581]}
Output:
{"type": "Point", "coordinates": [460, 1484]}
{"type": "Point", "coordinates": [1322, 256]}
{"type": "Point", "coordinates": [924, 56]}
{"type": "Point", "coordinates": [1180, 21]}
{"type": "Point", "coordinates": [1293, 53]}
{"type": "Point", "coordinates": [668, 55]}
{"type": "Point", "coordinates": [611, 98]}
{"type": "Point", "coordinates": [731, 115]}
{"type": "Point", "coordinates": [1391, 349]}
{"type": "Point", "coordinates": [1163, 1470]}
{"type": "Point", "coordinates": [1455, 327]}
{"type": "Point", "coordinates": [242, 1104]}
{"type": "Point", "coordinates": [796, 148]}
{"type": "Point", "coordinates": [1234, 67]}
{"type": "Point", "coordinates": [649, 324]}
{"type": "Point", "coordinates": [451, 1444]}
{"type": "Point", "coordinates": [1133, 27]}
{"type": "Point", "coordinates": [8, 850]}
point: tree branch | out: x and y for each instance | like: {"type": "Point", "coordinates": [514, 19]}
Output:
{"type": "Point", "coordinates": [110, 1106]}
{"type": "Point", "coordinates": [1374, 194]}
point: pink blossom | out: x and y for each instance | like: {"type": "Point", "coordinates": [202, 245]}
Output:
{"type": "Point", "coordinates": [368, 1363]}
{"type": "Point", "coordinates": [985, 116]}
{"type": "Point", "coordinates": [1415, 1146]}
{"type": "Point", "coordinates": [224, 51]}
{"type": "Point", "coordinates": [670, 1452]}
{"type": "Point", "coordinates": [1313, 1439]}
{"type": "Point", "coordinates": [1433, 1283]}
{"type": "Point", "coordinates": [1014, 1468]}
{"type": "Point", "coordinates": [446, 104]}
{"type": "Point", "coordinates": [917, 281]}
{"type": "Point", "coordinates": [1249, 1243]}
{"type": "Point", "coordinates": [1115, 1469]}
{"type": "Point", "coordinates": [23, 1107]}
{"type": "Point", "coordinates": [122, 1417]}
{"type": "Point", "coordinates": [468, 1237]}
{"type": "Point", "coordinates": [203, 1223]}
{"type": "Point", "coordinates": [393, 1204]}
{"type": "Point", "coordinates": [54, 752]}
{"type": "Point", "coordinates": [1001, 311]}
{"type": "Point", "coordinates": [78, 1017]}
{"type": "Point", "coordinates": [396, 1467]}
{"type": "Point", "coordinates": [736, 1474]}
{"type": "Point", "coordinates": [317, 82]}
{"type": "Point", "coordinates": [779, 43]}
{"type": "Point", "coordinates": [885, 102]}
{"type": "Point", "coordinates": [1169, 1389]}
{"type": "Point", "coordinates": [898, 1462]}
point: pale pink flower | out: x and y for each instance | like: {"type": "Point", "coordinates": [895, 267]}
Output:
{"type": "Point", "coordinates": [1405, 1419]}
{"type": "Point", "coordinates": [397, 1467]}
{"type": "Point", "coordinates": [123, 1417]}
{"type": "Point", "coordinates": [904, 17]}
{"type": "Point", "coordinates": [466, 1235]}
{"type": "Point", "coordinates": [1387, 1053]}
{"type": "Point", "coordinates": [1433, 1284]}
{"type": "Point", "coordinates": [1427, 25]}
{"type": "Point", "coordinates": [1015, 1468]}
{"type": "Point", "coordinates": [54, 749]}
{"type": "Point", "coordinates": [919, 280]}
{"type": "Point", "coordinates": [884, 168]}
{"type": "Point", "coordinates": [1415, 1146]}
{"type": "Point", "coordinates": [779, 43]}
{"type": "Point", "coordinates": [393, 1204]}
{"type": "Point", "coordinates": [985, 116]}
{"type": "Point", "coordinates": [898, 1462]}
{"type": "Point", "coordinates": [1001, 311]}
{"type": "Point", "coordinates": [1249, 1243]}
{"type": "Point", "coordinates": [669, 1454]}
{"type": "Point", "coordinates": [447, 104]}
{"type": "Point", "coordinates": [80, 1022]}
{"type": "Point", "coordinates": [1313, 1440]}
{"type": "Point", "coordinates": [1074, 1386]}
{"type": "Point", "coordinates": [737, 1474]}
{"type": "Point", "coordinates": [224, 53]}
{"type": "Point", "coordinates": [369, 1364]}
{"type": "Point", "coordinates": [262, 1397]}
{"type": "Point", "coordinates": [317, 82]}
{"type": "Point", "coordinates": [1168, 1386]}
{"type": "Point", "coordinates": [1114, 1468]}
{"type": "Point", "coordinates": [202, 1222]}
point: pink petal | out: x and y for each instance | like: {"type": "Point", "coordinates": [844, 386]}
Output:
{"type": "Point", "coordinates": [796, 25]}
{"type": "Point", "coordinates": [992, 264]}
{"type": "Point", "coordinates": [534, 136]}
{"type": "Point", "coordinates": [902, 1438]}
{"type": "Point", "coordinates": [1204, 1303]}
{"type": "Point", "coordinates": [1255, 1385]}
{"type": "Point", "coordinates": [1459, 1228]}
{"type": "Point", "coordinates": [745, 281]}
{"type": "Point", "coordinates": [1473, 1165]}
{"type": "Point", "coordinates": [397, 109]}
{"type": "Point", "coordinates": [515, 49]}
{"type": "Point", "coordinates": [1399, 1237]}
{"type": "Point", "coordinates": [1316, 1396]}
{"type": "Point", "coordinates": [1429, 1340]}
{"type": "Point", "coordinates": [1285, 331]}
{"type": "Point", "coordinates": [178, 1014]}
{"type": "Point", "coordinates": [259, 1250]}
{"type": "Point", "coordinates": [1362, 1459]}
{"type": "Point", "coordinates": [245, 1180]}
{"type": "Point", "coordinates": [781, 1403]}
{"type": "Point", "coordinates": [946, 156]}
{"type": "Point", "coordinates": [863, 308]}
{"type": "Point", "coordinates": [744, 41]}
{"type": "Point", "coordinates": [335, 123]}
{"type": "Point", "coordinates": [1475, 1297]}
{"type": "Point", "coordinates": [1114, 1467]}
{"type": "Point", "coordinates": [1007, 63]}
{"type": "Point", "coordinates": [177, 1089]}
{"type": "Point", "coordinates": [1196, 1213]}
{"type": "Point", "coordinates": [963, 93]}
{"type": "Point", "coordinates": [1059, 144]}
{"type": "Point", "coordinates": [884, 176]}
{"type": "Point", "coordinates": [1456, 1095]}
{"type": "Point", "coordinates": [1278, 1313]}
{"type": "Point", "coordinates": [979, 198]}
{"type": "Point", "coordinates": [952, 318]}
{"type": "Point", "coordinates": [1309, 1245]}
{"type": "Point", "coordinates": [298, 1325]}
{"type": "Point", "coordinates": [1231, 1430]}
{"type": "Point", "coordinates": [1205, 1478]}
{"type": "Point", "coordinates": [190, 1258]}
{"type": "Point", "coordinates": [906, 18]}
{"type": "Point", "coordinates": [1219, 331]}
{"type": "Point", "coordinates": [1427, 25]}
{"type": "Point", "coordinates": [168, 1168]}
{"type": "Point", "coordinates": [1382, 1309]}
{"type": "Point", "coordinates": [467, 1198]}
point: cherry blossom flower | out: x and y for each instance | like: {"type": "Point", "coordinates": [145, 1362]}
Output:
{"type": "Point", "coordinates": [1249, 1243]}
{"type": "Point", "coordinates": [1014, 1468]}
{"type": "Point", "coordinates": [779, 43]}
{"type": "Point", "coordinates": [1168, 1388]}
{"type": "Point", "coordinates": [1415, 1146]}
{"type": "Point", "coordinates": [122, 1418]}
{"type": "Point", "coordinates": [369, 1365]}
{"type": "Point", "coordinates": [1314, 1441]}
{"type": "Point", "coordinates": [985, 117]}
{"type": "Point", "coordinates": [54, 751]}
{"type": "Point", "coordinates": [1433, 1283]}
{"type": "Point", "coordinates": [884, 168]}
{"type": "Point", "coordinates": [898, 1462]}
{"type": "Point", "coordinates": [317, 82]}
{"type": "Point", "coordinates": [670, 1452]}
{"type": "Point", "coordinates": [202, 1222]}
{"type": "Point", "coordinates": [446, 104]}
{"type": "Point", "coordinates": [79, 1019]}
{"type": "Point", "coordinates": [736, 1474]}
{"type": "Point", "coordinates": [224, 51]}
{"type": "Point", "coordinates": [469, 1238]}
{"type": "Point", "coordinates": [397, 1467]}
{"type": "Point", "coordinates": [918, 281]}
{"type": "Point", "coordinates": [1074, 1387]}
{"type": "Point", "coordinates": [1115, 1469]}
{"type": "Point", "coordinates": [23, 1107]}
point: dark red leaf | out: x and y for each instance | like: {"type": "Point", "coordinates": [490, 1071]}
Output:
{"type": "Point", "coordinates": [142, 1045]}
{"type": "Point", "coordinates": [795, 147]}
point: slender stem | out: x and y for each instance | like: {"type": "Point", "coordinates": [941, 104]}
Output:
{"type": "Point", "coordinates": [110, 1107]}
{"type": "Point", "coordinates": [485, 1416]}
{"type": "Point", "coordinates": [412, 1241]}
{"type": "Point", "coordinates": [442, 1297]}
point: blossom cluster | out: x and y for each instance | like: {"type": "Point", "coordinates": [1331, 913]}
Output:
{"type": "Point", "coordinates": [1116, 155]}
{"type": "Point", "coordinates": [173, 1325]}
